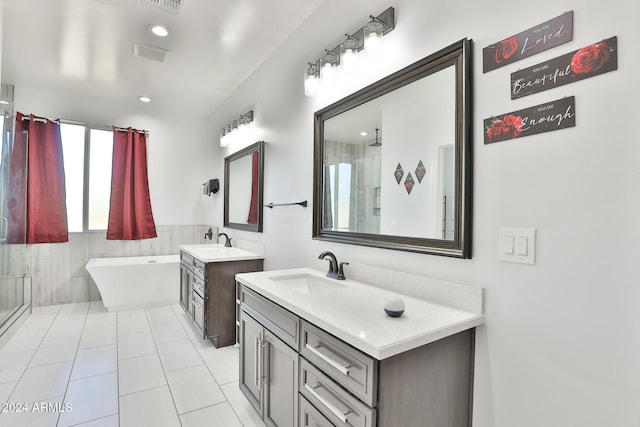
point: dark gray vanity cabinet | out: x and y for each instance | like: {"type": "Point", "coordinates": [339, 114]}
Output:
{"type": "Point", "coordinates": [296, 374]}
{"type": "Point", "coordinates": [220, 297]}
{"type": "Point", "coordinates": [428, 386]}
{"type": "Point", "coordinates": [210, 288]}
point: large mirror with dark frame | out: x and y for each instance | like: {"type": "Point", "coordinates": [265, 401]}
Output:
{"type": "Point", "coordinates": [243, 187]}
{"type": "Point", "coordinates": [392, 162]}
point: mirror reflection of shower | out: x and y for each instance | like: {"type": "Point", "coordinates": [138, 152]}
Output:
{"type": "Point", "coordinates": [352, 181]}
{"type": "Point", "coordinates": [377, 142]}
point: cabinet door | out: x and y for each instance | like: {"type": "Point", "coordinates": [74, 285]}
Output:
{"type": "Point", "coordinates": [250, 347]}
{"type": "Point", "coordinates": [281, 383]}
{"type": "Point", "coordinates": [185, 300]}
{"type": "Point", "coordinates": [189, 298]}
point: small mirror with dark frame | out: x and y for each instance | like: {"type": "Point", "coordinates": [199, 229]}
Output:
{"type": "Point", "coordinates": [243, 188]}
{"type": "Point", "coordinates": [392, 162]}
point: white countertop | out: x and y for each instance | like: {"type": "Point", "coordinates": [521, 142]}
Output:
{"type": "Point", "coordinates": [355, 314]}
{"type": "Point", "coordinates": [219, 253]}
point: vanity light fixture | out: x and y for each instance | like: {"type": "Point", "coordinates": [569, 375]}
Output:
{"type": "Point", "coordinates": [349, 52]}
{"type": "Point", "coordinates": [343, 58]}
{"type": "Point", "coordinates": [311, 79]}
{"type": "Point", "coordinates": [373, 33]}
{"type": "Point", "coordinates": [237, 129]}
{"type": "Point", "coordinates": [328, 64]}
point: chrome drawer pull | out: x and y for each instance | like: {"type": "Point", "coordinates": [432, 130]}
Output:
{"type": "Point", "coordinates": [265, 348]}
{"type": "Point", "coordinates": [257, 365]}
{"type": "Point", "coordinates": [338, 366]}
{"type": "Point", "coordinates": [342, 416]}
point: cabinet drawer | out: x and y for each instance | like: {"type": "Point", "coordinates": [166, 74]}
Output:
{"type": "Point", "coordinates": [335, 403]}
{"type": "Point", "coordinates": [186, 259]}
{"type": "Point", "coordinates": [283, 324]}
{"type": "Point", "coordinates": [351, 368]}
{"type": "Point", "coordinates": [199, 286]}
{"type": "Point", "coordinates": [199, 268]}
{"type": "Point", "coordinates": [310, 416]}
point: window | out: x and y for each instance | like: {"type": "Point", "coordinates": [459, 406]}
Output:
{"type": "Point", "coordinates": [87, 164]}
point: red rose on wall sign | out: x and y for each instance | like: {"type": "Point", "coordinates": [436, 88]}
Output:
{"type": "Point", "coordinates": [511, 125]}
{"type": "Point", "coordinates": [506, 49]}
{"type": "Point", "coordinates": [590, 58]}
{"type": "Point", "coordinates": [506, 128]}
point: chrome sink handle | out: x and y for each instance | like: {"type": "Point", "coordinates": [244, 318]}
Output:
{"type": "Point", "coordinates": [341, 275]}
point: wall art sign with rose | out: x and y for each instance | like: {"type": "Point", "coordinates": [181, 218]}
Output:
{"type": "Point", "coordinates": [542, 37]}
{"type": "Point", "coordinates": [597, 58]}
{"type": "Point", "coordinates": [547, 117]}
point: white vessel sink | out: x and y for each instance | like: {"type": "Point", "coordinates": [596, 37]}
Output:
{"type": "Point", "coordinates": [307, 283]}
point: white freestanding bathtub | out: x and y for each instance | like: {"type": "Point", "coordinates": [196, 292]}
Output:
{"type": "Point", "coordinates": [136, 282]}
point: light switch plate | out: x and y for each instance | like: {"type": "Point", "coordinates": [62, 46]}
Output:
{"type": "Point", "coordinates": [517, 245]}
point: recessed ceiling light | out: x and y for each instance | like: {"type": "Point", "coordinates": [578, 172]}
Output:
{"type": "Point", "coordinates": [158, 30]}
{"type": "Point", "coordinates": [363, 133]}
{"type": "Point", "coordinates": [144, 99]}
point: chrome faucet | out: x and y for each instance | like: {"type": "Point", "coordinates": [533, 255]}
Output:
{"type": "Point", "coordinates": [227, 240]}
{"type": "Point", "coordinates": [335, 272]}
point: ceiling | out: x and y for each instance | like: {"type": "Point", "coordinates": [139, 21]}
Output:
{"type": "Point", "coordinates": [85, 47]}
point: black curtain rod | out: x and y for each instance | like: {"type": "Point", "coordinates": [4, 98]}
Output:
{"type": "Point", "coordinates": [40, 119]}
{"type": "Point", "coordinates": [117, 129]}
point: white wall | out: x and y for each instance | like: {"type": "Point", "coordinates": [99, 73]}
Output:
{"type": "Point", "coordinates": [179, 155]}
{"type": "Point", "coordinates": [561, 343]}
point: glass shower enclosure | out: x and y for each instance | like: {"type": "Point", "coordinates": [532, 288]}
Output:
{"type": "Point", "coordinates": [14, 295]}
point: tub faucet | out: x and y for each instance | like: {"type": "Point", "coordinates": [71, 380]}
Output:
{"type": "Point", "coordinates": [227, 240]}
{"type": "Point", "coordinates": [335, 272]}
{"type": "Point", "coordinates": [208, 234]}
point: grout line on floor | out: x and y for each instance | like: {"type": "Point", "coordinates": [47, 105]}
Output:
{"type": "Point", "coordinates": [73, 364]}
{"type": "Point", "coordinates": [95, 419]}
{"type": "Point", "coordinates": [163, 370]}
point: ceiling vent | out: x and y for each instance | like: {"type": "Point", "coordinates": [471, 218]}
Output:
{"type": "Point", "coordinates": [150, 52]}
{"type": "Point", "coordinates": [171, 6]}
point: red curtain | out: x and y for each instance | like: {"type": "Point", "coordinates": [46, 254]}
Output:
{"type": "Point", "coordinates": [253, 206]}
{"type": "Point", "coordinates": [130, 216]}
{"type": "Point", "coordinates": [46, 196]}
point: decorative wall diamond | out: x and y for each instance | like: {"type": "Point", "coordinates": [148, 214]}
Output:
{"type": "Point", "coordinates": [408, 183]}
{"type": "Point", "coordinates": [399, 173]}
{"type": "Point", "coordinates": [420, 171]}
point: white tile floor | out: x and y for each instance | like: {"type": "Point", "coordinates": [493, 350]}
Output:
{"type": "Point", "coordinates": [132, 368]}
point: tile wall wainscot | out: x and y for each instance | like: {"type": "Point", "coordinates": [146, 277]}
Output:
{"type": "Point", "coordinates": [57, 269]}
